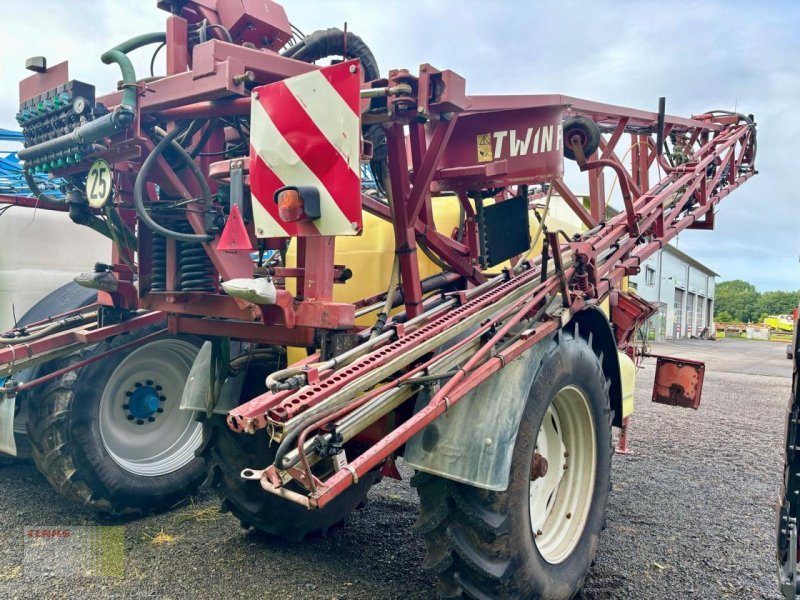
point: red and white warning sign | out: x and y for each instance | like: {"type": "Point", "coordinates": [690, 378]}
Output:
{"type": "Point", "coordinates": [306, 131]}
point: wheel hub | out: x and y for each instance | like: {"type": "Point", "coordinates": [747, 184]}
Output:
{"type": "Point", "coordinates": [141, 425]}
{"type": "Point", "coordinates": [143, 402]}
{"type": "Point", "coordinates": [562, 475]}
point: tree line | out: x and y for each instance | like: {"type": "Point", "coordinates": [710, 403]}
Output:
{"type": "Point", "coordinates": [740, 301]}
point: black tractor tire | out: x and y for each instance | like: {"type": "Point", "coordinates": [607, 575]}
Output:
{"type": "Point", "coordinates": [480, 543]}
{"type": "Point", "coordinates": [68, 297]}
{"type": "Point", "coordinates": [228, 453]}
{"type": "Point", "coordinates": [68, 447]}
{"type": "Point", "coordinates": [588, 132]}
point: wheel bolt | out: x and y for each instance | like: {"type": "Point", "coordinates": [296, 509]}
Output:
{"type": "Point", "coordinates": [128, 394]}
{"type": "Point", "coordinates": [149, 382]}
{"type": "Point", "coordinates": [538, 466]}
{"type": "Point", "coordinates": [137, 384]}
{"type": "Point", "coordinates": [159, 388]}
{"type": "Point", "coordinates": [139, 422]}
{"type": "Point", "coordinates": [130, 417]}
{"type": "Point", "coordinates": [126, 406]}
{"type": "Point", "coordinates": [152, 420]}
{"type": "Point", "coordinates": [538, 532]}
{"type": "Point", "coordinates": [566, 467]}
{"type": "Point", "coordinates": [159, 410]}
{"type": "Point", "coordinates": [569, 515]}
{"type": "Point", "coordinates": [162, 398]}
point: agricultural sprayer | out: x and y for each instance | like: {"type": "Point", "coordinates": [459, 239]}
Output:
{"type": "Point", "coordinates": [299, 330]}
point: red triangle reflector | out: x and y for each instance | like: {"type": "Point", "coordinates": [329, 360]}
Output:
{"type": "Point", "coordinates": [234, 236]}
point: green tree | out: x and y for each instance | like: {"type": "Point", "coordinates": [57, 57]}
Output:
{"type": "Point", "coordinates": [723, 317]}
{"type": "Point", "coordinates": [737, 298]}
{"type": "Point", "coordinates": [778, 303]}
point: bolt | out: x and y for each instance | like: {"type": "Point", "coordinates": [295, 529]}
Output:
{"type": "Point", "coordinates": [354, 225]}
{"type": "Point", "coordinates": [159, 410]}
{"type": "Point", "coordinates": [538, 532]}
{"type": "Point", "coordinates": [137, 384]}
{"type": "Point", "coordinates": [260, 230]}
{"type": "Point", "coordinates": [162, 398]}
{"type": "Point", "coordinates": [126, 406]}
{"type": "Point", "coordinates": [569, 515]}
{"type": "Point", "coordinates": [352, 68]}
{"type": "Point", "coordinates": [159, 388]}
{"type": "Point", "coordinates": [566, 454]}
{"type": "Point", "coordinates": [566, 467]}
{"type": "Point", "coordinates": [130, 417]}
{"type": "Point", "coordinates": [150, 382]}
{"type": "Point", "coordinates": [488, 441]}
{"type": "Point", "coordinates": [139, 422]}
{"type": "Point", "coordinates": [128, 393]}
{"type": "Point", "coordinates": [152, 420]}
{"type": "Point", "coordinates": [538, 466]}
{"type": "Point", "coordinates": [247, 76]}
{"type": "Point", "coordinates": [256, 95]}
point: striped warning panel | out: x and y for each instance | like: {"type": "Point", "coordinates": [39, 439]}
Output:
{"type": "Point", "coordinates": [306, 131]}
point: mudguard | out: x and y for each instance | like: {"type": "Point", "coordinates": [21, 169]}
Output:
{"type": "Point", "coordinates": [473, 441]}
{"type": "Point", "coordinates": [197, 392]}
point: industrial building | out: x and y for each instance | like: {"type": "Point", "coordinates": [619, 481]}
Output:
{"type": "Point", "coordinates": [683, 289]}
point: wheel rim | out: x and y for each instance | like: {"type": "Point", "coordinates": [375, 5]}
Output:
{"type": "Point", "coordinates": [561, 491]}
{"type": "Point", "coordinates": [141, 425]}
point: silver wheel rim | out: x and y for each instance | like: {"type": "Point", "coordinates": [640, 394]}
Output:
{"type": "Point", "coordinates": [163, 438]}
{"type": "Point", "coordinates": [560, 499]}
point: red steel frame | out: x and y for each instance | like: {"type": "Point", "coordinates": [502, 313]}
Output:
{"type": "Point", "coordinates": [204, 81]}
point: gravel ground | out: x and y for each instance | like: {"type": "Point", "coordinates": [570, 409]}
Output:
{"type": "Point", "coordinates": [690, 516]}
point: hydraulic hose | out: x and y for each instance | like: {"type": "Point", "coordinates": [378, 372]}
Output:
{"type": "Point", "coordinates": [40, 195]}
{"type": "Point", "coordinates": [141, 181]}
{"type": "Point", "coordinates": [331, 42]}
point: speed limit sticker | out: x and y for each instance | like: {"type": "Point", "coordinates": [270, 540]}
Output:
{"type": "Point", "coordinates": [98, 184]}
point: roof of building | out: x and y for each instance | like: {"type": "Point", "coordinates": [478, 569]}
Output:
{"type": "Point", "coordinates": [688, 259]}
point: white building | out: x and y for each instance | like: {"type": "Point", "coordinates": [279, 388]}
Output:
{"type": "Point", "coordinates": [683, 288]}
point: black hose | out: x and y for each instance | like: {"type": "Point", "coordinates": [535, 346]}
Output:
{"type": "Point", "coordinates": [141, 181]}
{"type": "Point", "coordinates": [40, 195]}
{"type": "Point", "coordinates": [331, 42]}
{"type": "Point", "coordinates": [207, 133]}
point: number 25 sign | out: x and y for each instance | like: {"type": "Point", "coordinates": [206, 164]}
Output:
{"type": "Point", "coordinates": [99, 184]}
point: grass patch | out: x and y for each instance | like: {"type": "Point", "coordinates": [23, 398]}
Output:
{"type": "Point", "coordinates": [162, 538]}
{"type": "Point", "coordinates": [200, 515]}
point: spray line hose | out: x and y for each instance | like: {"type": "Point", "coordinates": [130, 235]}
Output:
{"type": "Point", "coordinates": [119, 54]}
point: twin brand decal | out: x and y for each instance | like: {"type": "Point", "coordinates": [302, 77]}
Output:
{"type": "Point", "coordinates": [519, 142]}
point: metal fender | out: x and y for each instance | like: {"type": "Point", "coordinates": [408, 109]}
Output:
{"type": "Point", "coordinates": [471, 442]}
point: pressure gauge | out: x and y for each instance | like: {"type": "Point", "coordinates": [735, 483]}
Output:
{"type": "Point", "coordinates": [79, 105]}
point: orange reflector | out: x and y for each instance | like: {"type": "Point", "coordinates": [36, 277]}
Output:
{"type": "Point", "coordinates": [290, 206]}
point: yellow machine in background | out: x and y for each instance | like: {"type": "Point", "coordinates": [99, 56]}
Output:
{"type": "Point", "coordinates": [783, 323]}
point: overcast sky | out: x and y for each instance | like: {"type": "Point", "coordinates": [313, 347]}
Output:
{"type": "Point", "coordinates": [701, 55]}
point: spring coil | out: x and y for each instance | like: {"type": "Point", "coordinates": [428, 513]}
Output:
{"type": "Point", "coordinates": [196, 272]}
{"type": "Point", "coordinates": [158, 272]}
